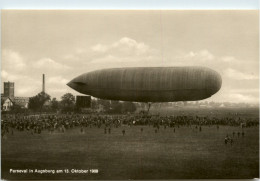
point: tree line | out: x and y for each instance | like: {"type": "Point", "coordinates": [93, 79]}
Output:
{"type": "Point", "coordinates": [42, 102]}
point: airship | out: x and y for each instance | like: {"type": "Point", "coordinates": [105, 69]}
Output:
{"type": "Point", "coordinates": [149, 84]}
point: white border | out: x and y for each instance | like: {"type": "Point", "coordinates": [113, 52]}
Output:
{"type": "Point", "coordinates": [129, 4]}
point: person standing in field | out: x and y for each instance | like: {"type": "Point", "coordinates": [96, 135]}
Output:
{"type": "Point", "coordinates": [231, 141]}
{"type": "Point", "coordinates": [226, 140]}
{"type": "Point", "coordinates": [82, 129]}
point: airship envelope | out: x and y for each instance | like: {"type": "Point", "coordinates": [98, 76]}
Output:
{"type": "Point", "coordinates": [149, 84]}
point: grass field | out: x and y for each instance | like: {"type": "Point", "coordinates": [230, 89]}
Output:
{"type": "Point", "coordinates": [214, 112]}
{"type": "Point", "coordinates": [183, 154]}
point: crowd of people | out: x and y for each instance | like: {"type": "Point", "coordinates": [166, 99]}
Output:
{"type": "Point", "coordinates": [35, 124]}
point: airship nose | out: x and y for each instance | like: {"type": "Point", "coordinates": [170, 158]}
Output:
{"type": "Point", "coordinates": [77, 84]}
{"type": "Point", "coordinates": [71, 85]}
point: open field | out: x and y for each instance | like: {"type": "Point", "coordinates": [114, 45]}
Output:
{"type": "Point", "coordinates": [214, 112]}
{"type": "Point", "coordinates": [183, 154]}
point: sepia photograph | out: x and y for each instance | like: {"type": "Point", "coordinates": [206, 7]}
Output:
{"type": "Point", "coordinates": [129, 94]}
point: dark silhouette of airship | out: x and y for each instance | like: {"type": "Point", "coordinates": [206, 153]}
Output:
{"type": "Point", "coordinates": [149, 84]}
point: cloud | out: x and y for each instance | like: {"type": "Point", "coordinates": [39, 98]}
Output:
{"type": "Point", "coordinates": [27, 90]}
{"type": "Point", "coordinates": [57, 80]}
{"type": "Point", "coordinates": [4, 74]}
{"type": "Point", "coordinates": [242, 98]}
{"type": "Point", "coordinates": [206, 57]}
{"type": "Point", "coordinates": [237, 75]}
{"type": "Point", "coordinates": [123, 47]}
{"type": "Point", "coordinates": [196, 58]}
{"type": "Point", "coordinates": [245, 90]}
{"type": "Point", "coordinates": [125, 52]}
{"type": "Point", "coordinates": [11, 76]}
{"type": "Point", "coordinates": [200, 56]}
{"type": "Point", "coordinates": [12, 61]}
{"type": "Point", "coordinates": [49, 64]}
{"type": "Point", "coordinates": [99, 48]}
{"type": "Point", "coordinates": [229, 59]}
{"type": "Point", "coordinates": [58, 90]}
{"type": "Point", "coordinates": [126, 44]}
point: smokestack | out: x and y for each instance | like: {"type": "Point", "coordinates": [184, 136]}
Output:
{"type": "Point", "coordinates": [43, 83]}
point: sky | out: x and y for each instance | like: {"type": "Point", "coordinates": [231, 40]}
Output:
{"type": "Point", "coordinates": [64, 44]}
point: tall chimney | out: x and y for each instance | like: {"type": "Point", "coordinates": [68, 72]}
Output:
{"type": "Point", "coordinates": [43, 83]}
